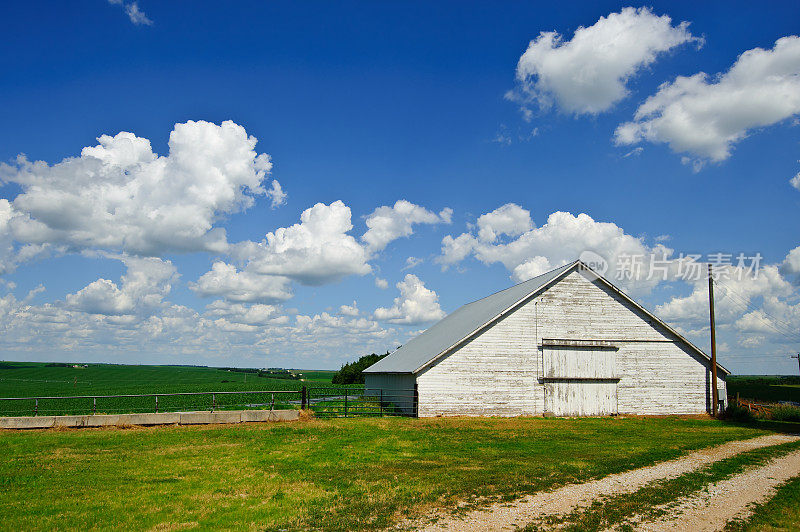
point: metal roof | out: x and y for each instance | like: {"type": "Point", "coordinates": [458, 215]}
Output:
{"type": "Point", "coordinates": [472, 317]}
{"type": "Point", "coordinates": [420, 350]}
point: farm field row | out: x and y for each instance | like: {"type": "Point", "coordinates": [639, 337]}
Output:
{"type": "Point", "coordinates": [334, 474]}
{"type": "Point", "coordinates": [28, 379]}
{"type": "Point", "coordinates": [770, 388]}
{"type": "Point", "coordinates": [44, 380]}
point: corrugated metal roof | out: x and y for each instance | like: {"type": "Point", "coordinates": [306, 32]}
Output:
{"type": "Point", "coordinates": [458, 325]}
{"type": "Point", "coordinates": [466, 320]}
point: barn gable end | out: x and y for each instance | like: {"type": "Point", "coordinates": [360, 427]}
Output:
{"type": "Point", "coordinates": [577, 346]}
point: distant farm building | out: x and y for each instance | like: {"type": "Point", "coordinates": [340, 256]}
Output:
{"type": "Point", "coordinates": [565, 343]}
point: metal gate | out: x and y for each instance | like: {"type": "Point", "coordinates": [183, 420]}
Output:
{"type": "Point", "coordinates": [351, 401]}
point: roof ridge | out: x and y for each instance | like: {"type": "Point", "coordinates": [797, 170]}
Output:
{"type": "Point", "coordinates": [548, 272]}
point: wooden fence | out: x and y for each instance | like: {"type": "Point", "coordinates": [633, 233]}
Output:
{"type": "Point", "coordinates": [760, 408]}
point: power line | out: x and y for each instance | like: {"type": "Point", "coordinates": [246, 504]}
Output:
{"type": "Point", "coordinates": [761, 356]}
{"type": "Point", "coordinates": [727, 288]}
{"type": "Point", "coordinates": [779, 326]}
{"type": "Point", "coordinates": [758, 312]}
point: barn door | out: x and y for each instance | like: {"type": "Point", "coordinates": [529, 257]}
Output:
{"type": "Point", "coordinates": [580, 381]}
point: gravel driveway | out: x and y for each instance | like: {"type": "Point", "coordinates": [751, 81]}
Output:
{"type": "Point", "coordinates": [564, 500]}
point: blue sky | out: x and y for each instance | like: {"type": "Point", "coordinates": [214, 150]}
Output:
{"type": "Point", "coordinates": [483, 125]}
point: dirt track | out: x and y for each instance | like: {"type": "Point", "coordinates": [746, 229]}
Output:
{"type": "Point", "coordinates": [728, 499]}
{"type": "Point", "coordinates": [564, 500]}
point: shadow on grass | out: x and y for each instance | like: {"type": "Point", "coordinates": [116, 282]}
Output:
{"type": "Point", "coordinates": [783, 427]}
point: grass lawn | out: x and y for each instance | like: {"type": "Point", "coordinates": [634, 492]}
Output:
{"type": "Point", "coordinates": [336, 474]}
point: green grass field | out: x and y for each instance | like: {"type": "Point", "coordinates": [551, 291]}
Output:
{"type": "Point", "coordinates": [333, 474]}
{"type": "Point", "coordinates": [28, 379]}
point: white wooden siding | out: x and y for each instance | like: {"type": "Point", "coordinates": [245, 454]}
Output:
{"type": "Point", "coordinates": [663, 378]}
{"type": "Point", "coordinates": [498, 372]}
{"type": "Point", "coordinates": [495, 374]}
{"type": "Point", "coordinates": [580, 398]}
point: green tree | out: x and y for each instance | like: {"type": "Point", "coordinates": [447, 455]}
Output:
{"type": "Point", "coordinates": [352, 372]}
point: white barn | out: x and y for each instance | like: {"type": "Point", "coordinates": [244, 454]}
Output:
{"type": "Point", "coordinates": [565, 343]}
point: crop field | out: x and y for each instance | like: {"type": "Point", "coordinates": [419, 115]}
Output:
{"type": "Point", "coordinates": [771, 388]}
{"type": "Point", "coordinates": [332, 474]}
{"type": "Point", "coordinates": [27, 379]}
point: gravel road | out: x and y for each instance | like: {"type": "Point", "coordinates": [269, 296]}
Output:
{"type": "Point", "coordinates": [727, 499]}
{"type": "Point", "coordinates": [562, 501]}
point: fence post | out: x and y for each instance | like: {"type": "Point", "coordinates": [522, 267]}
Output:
{"type": "Point", "coordinates": [156, 404]}
{"type": "Point", "coordinates": [345, 402]}
{"type": "Point", "coordinates": [36, 408]}
{"type": "Point", "coordinates": [213, 401]}
{"type": "Point", "coordinates": [303, 397]}
{"type": "Point", "coordinates": [94, 405]}
{"type": "Point", "coordinates": [272, 402]}
{"type": "Point", "coordinates": [381, 402]}
{"type": "Point", "coordinates": [416, 400]}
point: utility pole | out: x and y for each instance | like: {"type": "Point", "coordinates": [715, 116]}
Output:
{"type": "Point", "coordinates": [797, 356]}
{"type": "Point", "coordinates": [714, 399]}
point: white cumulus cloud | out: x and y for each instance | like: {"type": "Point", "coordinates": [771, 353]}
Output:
{"type": "Point", "coordinates": [315, 251]}
{"type": "Point", "coordinates": [276, 194]}
{"type": "Point", "coordinates": [761, 303]}
{"type": "Point", "coordinates": [705, 116]}
{"type": "Point", "coordinates": [791, 264]}
{"type": "Point", "coordinates": [101, 297]}
{"type": "Point", "coordinates": [224, 280]}
{"type": "Point", "coordinates": [349, 310]}
{"type": "Point", "coordinates": [7, 261]}
{"type": "Point", "coordinates": [563, 239]}
{"type": "Point", "coordinates": [251, 315]}
{"type": "Point", "coordinates": [589, 74]}
{"type": "Point", "coordinates": [143, 288]}
{"type": "Point", "coordinates": [416, 304]}
{"type": "Point", "coordinates": [119, 195]}
{"type": "Point", "coordinates": [386, 224]}
{"type": "Point", "coordinates": [510, 220]}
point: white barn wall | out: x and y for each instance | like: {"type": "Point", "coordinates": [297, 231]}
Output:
{"type": "Point", "coordinates": [663, 379]}
{"type": "Point", "coordinates": [497, 372]}
{"type": "Point", "coordinates": [494, 374]}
